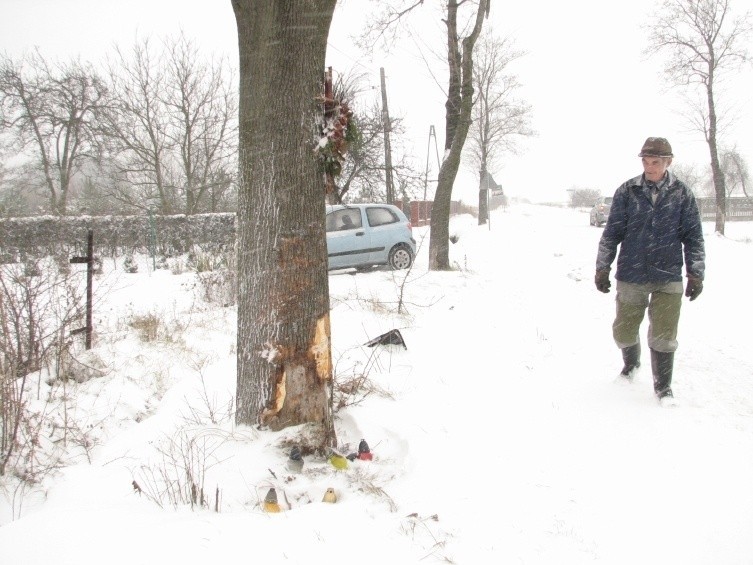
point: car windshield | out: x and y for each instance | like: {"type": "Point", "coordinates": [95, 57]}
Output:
{"type": "Point", "coordinates": [344, 219]}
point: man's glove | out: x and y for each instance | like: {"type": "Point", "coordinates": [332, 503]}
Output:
{"type": "Point", "coordinates": [602, 280]}
{"type": "Point", "coordinates": [693, 288]}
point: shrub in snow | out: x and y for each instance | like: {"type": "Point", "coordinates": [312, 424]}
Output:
{"type": "Point", "coordinates": [129, 265]}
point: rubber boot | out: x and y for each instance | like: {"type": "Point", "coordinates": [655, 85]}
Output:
{"type": "Point", "coordinates": [632, 358]}
{"type": "Point", "coordinates": [661, 366]}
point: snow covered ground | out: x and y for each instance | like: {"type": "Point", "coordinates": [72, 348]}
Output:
{"type": "Point", "coordinates": [498, 435]}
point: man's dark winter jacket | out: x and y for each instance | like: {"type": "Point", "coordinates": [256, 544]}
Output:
{"type": "Point", "coordinates": [652, 236]}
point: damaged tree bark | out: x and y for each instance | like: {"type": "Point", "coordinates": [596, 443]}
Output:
{"type": "Point", "coordinates": [284, 362]}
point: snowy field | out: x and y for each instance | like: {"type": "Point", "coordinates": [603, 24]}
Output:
{"type": "Point", "coordinates": [498, 435]}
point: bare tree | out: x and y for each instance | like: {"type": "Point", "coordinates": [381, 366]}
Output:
{"type": "Point", "coordinates": [172, 128]}
{"type": "Point", "coordinates": [458, 106]}
{"type": "Point", "coordinates": [19, 192]}
{"type": "Point", "coordinates": [5, 203]}
{"type": "Point", "coordinates": [51, 110]}
{"type": "Point", "coordinates": [458, 121]}
{"type": "Point", "coordinates": [137, 129]}
{"type": "Point", "coordinates": [499, 119]}
{"type": "Point", "coordinates": [705, 43]}
{"type": "Point", "coordinates": [735, 171]}
{"type": "Point", "coordinates": [363, 170]}
{"type": "Point", "coordinates": [284, 357]}
{"type": "Point", "coordinates": [202, 109]}
{"type": "Point", "coordinates": [584, 197]}
{"type": "Point", "coordinates": [698, 181]}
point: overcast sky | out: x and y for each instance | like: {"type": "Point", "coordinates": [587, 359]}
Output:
{"type": "Point", "coordinates": [594, 97]}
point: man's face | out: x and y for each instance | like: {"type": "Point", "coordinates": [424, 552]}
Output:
{"type": "Point", "coordinates": [655, 167]}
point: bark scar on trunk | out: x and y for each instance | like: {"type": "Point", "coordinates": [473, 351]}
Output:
{"type": "Point", "coordinates": [279, 398]}
{"type": "Point", "coordinates": [275, 354]}
{"type": "Point", "coordinates": [320, 349]}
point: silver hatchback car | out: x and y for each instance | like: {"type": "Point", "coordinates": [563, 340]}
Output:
{"type": "Point", "coordinates": [600, 211]}
{"type": "Point", "coordinates": [363, 235]}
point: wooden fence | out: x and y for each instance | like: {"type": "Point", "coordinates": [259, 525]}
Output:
{"type": "Point", "coordinates": [419, 211]}
{"type": "Point", "coordinates": [738, 208]}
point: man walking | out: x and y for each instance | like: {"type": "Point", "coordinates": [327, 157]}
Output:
{"type": "Point", "coordinates": [655, 220]}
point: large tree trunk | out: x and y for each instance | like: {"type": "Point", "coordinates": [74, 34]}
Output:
{"type": "Point", "coordinates": [720, 189]}
{"type": "Point", "coordinates": [483, 194]}
{"type": "Point", "coordinates": [439, 246]}
{"type": "Point", "coordinates": [284, 359]}
{"type": "Point", "coordinates": [454, 59]}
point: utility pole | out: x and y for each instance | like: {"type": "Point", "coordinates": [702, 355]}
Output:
{"type": "Point", "coordinates": [433, 134]}
{"type": "Point", "coordinates": [387, 147]}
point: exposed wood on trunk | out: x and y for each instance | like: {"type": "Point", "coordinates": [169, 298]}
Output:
{"type": "Point", "coordinates": [284, 365]}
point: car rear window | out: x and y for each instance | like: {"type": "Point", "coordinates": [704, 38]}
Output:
{"type": "Point", "coordinates": [381, 216]}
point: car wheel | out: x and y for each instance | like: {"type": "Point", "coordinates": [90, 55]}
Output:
{"type": "Point", "coordinates": [400, 257]}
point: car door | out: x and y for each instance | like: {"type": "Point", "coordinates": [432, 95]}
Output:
{"type": "Point", "coordinates": [382, 223]}
{"type": "Point", "coordinates": [348, 242]}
